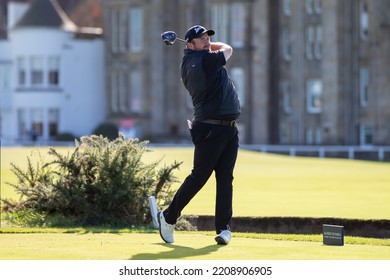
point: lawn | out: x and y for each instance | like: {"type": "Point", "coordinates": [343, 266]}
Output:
{"type": "Point", "coordinates": [84, 244]}
{"type": "Point", "coordinates": [265, 185]}
{"type": "Point", "coordinates": [268, 185]}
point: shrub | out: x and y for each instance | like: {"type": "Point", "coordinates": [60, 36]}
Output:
{"type": "Point", "coordinates": [65, 136]}
{"type": "Point", "coordinates": [108, 130]}
{"type": "Point", "coordinates": [102, 182]}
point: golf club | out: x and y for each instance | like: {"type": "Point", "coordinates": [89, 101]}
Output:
{"type": "Point", "coordinates": [169, 38]}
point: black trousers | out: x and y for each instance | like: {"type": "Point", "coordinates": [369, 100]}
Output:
{"type": "Point", "coordinates": [216, 149]}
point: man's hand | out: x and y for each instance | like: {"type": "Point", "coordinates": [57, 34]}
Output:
{"type": "Point", "coordinates": [222, 47]}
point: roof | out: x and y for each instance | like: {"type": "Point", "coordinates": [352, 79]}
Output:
{"type": "Point", "coordinates": [46, 13]}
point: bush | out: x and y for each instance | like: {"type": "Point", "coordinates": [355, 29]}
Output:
{"type": "Point", "coordinates": [108, 130]}
{"type": "Point", "coordinates": [101, 183]}
{"type": "Point", "coordinates": [66, 136]}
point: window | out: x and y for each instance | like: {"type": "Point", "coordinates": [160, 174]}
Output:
{"type": "Point", "coordinates": [314, 95]}
{"type": "Point", "coordinates": [318, 43]}
{"type": "Point", "coordinates": [114, 92]}
{"type": "Point", "coordinates": [37, 121]}
{"type": "Point", "coordinates": [287, 7]}
{"type": "Point", "coordinates": [287, 46]}
{"type": "Point", "coordinates": [22, 123]}
{"type": "Point", "coordinates": [136, 80]}
{"type": "Point", "coordinates": [285, 133]}
{"type": "Point", "coordinates": [53, 118]}
{"type": "Point", "coordinates": [36, 71]}
{"type": "Point", "coordinates": [309, 6]}
{"type": "Point", "coordinates": [221, 13]}
{"type": "Point", "coordinates": [22, 70]}
{"type": "Point", "coordinates": [5, 77]}
{"type": "Point", "coordinates": [318, 6]}
{"type": "Point", "coordinates": [309, 42]}
{"type": "Point", "coordinates": [287, 99]}
{"type": "Point", "coordinates": [136, 29]}
{"type": "Point", "coordinates": [238, 25]}
{"type": "Point", "coordinates": [219, 21]}
{"type": "Point", "coordinates": [363, 86]}
{"type": "Point", "coordinates": [114, 31]}
{"type": "Point", "coordinates": [366, 135]}
{"type": "Point", "coordinates": [238, 78]}
{"type": "Point", "coordinates": [122, 87]}
{"type": "Point", "coordinates": [53, 68]}
{"type": "Point", "coordinates": [122, 32]}
{"type": "Point", "coordinates": [363, 20]}
{"type": "Point", "coordinates": [313, 136]}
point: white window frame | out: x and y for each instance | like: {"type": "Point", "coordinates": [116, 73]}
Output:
{"type": "Point", "coordinates": [5, 77]}
{"type": "Point", "coordinates": [53, 67]}
{"type": "Point", "coordinates": [22, 122]}
{"type": "Point", "coordinates": [37, 71]}
{"type": "Point", "coordinates": [53, 117]}
{"type": "Point", "coordinates": [238, 78]}
{"type": "Point", "coordinates": [21, 63]}
{"type": "Point", "coordinates": [314, 95]}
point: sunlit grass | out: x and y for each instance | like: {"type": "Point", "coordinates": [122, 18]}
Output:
{"type": "Point", "coordinates": [267, 185]}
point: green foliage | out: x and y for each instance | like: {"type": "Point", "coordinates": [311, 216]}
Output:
{"type": "Point", "coordinates": [102, 182]}
{"type": "Point", "coordinates": [65, 136]}
{"type": "Point", "coordinates": [108, 130]}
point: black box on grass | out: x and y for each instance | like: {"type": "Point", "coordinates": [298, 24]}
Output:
{"type": "Point", "coordinates": [333, 235]}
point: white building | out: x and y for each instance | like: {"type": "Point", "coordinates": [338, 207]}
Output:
{"type": "Point", "coordinates": [51, 74]}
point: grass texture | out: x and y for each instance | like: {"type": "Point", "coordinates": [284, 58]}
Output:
{"type": "Point", "coordinates": [267, 185]}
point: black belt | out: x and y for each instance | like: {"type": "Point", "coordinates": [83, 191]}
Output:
{"type": "Point", "coordinates": [220, 122]}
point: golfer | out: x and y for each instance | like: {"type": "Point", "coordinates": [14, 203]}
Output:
{"type": "Point", "coordinates": [213, 130]}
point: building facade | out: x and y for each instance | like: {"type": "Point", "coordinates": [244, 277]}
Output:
{"type": "Point", "coordinates": [308, 72]}
{"type": "Point", "coordinates": [51, 74]}
{"type": "Point", "coordinates": [333, 62]}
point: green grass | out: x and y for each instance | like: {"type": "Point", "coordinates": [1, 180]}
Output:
{"type": "Point", "coordinates": [94, 244]}
{"type": "Point", "coordinates": [265, 185]}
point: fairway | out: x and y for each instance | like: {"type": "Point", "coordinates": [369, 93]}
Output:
{"type": "Point", "coordinates": [188, 246]}
{"type": "Point", "coordinates": [267, 185]}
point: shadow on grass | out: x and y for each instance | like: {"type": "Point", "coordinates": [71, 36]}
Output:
{"type": "Point", "coordinates": [177, 252]}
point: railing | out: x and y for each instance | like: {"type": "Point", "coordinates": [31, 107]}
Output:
{"type": "Point", "coordinates": [381, 153]}
{"type": "Point", "coordinates": [351, 152]}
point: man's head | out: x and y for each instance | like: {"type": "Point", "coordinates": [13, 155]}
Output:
{"type": "Point", "coordinates": [198, 37]}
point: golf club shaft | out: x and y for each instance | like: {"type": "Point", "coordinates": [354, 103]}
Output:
{"type": "Point", "coordinates": [181, 40]}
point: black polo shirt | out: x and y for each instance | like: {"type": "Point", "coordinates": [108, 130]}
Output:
{"type": "Point", "coordinates": [205, 77]}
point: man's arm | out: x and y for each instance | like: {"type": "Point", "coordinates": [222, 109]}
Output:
{"type": "Point", "coordinates": [222, 47]}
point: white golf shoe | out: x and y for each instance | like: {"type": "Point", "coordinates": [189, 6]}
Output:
{"type": "Point", "coordinates": [223, 238]}
{"type": "Point", "coordinates": [166, 230]}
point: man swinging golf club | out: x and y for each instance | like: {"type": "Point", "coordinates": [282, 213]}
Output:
{"type": "Point", "coordinates": [213, 130]}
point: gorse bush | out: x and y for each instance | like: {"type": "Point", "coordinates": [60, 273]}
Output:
{"type": "Point", "coordinates": [101, 182]}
